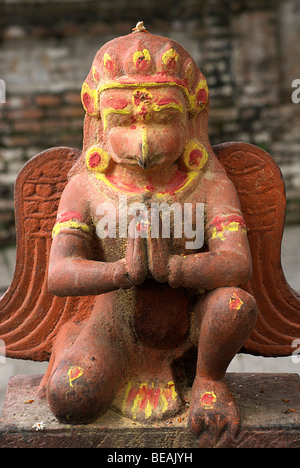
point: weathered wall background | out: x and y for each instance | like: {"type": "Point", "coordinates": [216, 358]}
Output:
{"type": "Point", "coordinates": [249, 51]}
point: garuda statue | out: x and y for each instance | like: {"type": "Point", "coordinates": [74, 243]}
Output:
{"type": "Point", "coordinates": [119, 308]}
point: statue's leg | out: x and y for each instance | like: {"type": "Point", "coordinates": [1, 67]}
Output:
{"type": "Point", "coordinates": [65, 339]}
{"type": "Point", "coordinates": [86, 376]}
{"type": "Point", "coordinates": [226, 318]}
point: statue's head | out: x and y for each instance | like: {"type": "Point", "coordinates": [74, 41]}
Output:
{"type": "Point", "coordinates": [146, 105]}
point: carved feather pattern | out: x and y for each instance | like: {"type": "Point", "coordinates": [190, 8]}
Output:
{"type": "Point", "coordinates": [30, 316]}
{"type": "Point", "coordinates": [261, 190]}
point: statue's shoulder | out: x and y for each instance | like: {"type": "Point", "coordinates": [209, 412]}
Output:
{"type": "Point", "coordinates": [215, 179]}
{"type": "Point", "coordinates": [79, 186]}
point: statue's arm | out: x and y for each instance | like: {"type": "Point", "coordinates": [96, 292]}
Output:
{"type": "Point", "coordinates": [228, 259]}
{"type": "Point", "coordinates": [72, 272]}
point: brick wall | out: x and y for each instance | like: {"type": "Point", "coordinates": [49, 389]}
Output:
{"type": "Point", "coordinates": [249, 51]}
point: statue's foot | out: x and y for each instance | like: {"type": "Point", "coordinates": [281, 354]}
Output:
{"type": "Point", "coordinates": [213, 413]}
{"type": "Point", "coordinates": [148, 401]}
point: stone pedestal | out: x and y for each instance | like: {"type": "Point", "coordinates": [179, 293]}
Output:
{"type": "Point", "coordinates": [269, 405]}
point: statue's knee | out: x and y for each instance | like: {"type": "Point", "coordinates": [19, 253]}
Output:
{"type": "Point", "coordinates": [236, 304]}
{"type": "Point", "coordinates": [244, 304]}
{"type": "Point", "coordinates": [74, 397]}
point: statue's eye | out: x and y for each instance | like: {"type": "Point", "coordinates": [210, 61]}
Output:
{"type": "Point", "coordinates": [165, 115]}
{"type": "Point", "coordinates": [117, 117]}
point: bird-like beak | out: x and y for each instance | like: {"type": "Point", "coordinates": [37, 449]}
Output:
{"type": "Point", "coordinates": [142, 163]}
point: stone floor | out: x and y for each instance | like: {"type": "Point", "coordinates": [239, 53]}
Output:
{"type": "Point", "coordinates": [241, 363]}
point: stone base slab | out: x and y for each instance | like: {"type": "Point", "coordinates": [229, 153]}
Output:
{"type": "Point", "coordinates": [269, 405]}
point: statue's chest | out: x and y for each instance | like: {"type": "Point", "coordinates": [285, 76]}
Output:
{"type": "Point", "coordinates": [179, 220]}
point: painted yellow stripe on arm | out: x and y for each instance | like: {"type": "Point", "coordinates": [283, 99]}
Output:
{"type": "Point", "coordinates": [69, 224]}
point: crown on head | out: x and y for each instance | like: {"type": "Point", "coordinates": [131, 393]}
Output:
{"type": "Point", "coordinates": [144, 60]}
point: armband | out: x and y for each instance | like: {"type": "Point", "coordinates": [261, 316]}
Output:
{"type": "Point", "coordinates": [222, 225]}
{"type": "Point", "coordinates": [70, 220]}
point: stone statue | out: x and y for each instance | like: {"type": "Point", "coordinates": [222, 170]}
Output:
{"type": "Point", "coordinates": [121, 305]}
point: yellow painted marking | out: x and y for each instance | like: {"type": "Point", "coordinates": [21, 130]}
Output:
{"type": "Point", "coordinates": [189, 73]}
{"type": "Point", "coordinates": [195, 145]}
{"type": "Point", "coordinates": [201, 85]}
{"type": "Point", "coordinates": [208, 399]}
{"type": "Point", "coordinates": [145, 146]}
{"type": "Point", "coordinates": [191, 98]}
{"type": "Point", "coordinates": [111, 110]}
{"type": "Point", "coordinates": [104, 159]}
{"type": "Point", "coordinates": [170, 54]}
{"type": "Point", "coordinates": [235, 302]}
{"type": "Point", "coordinates": [173, 391]}
{"type": "Point", "coordinates": [145, 53]}
{"type": "Point", "coordinates": [103, 178]}
{"type": "Point", "coordinates": [173, 105]}
{"type": "Point", "coordinates": [233, 227]}
{"type": "Point", "coordinates": [107, 58]}
{"type": "Point", "coordinates": [190, 177]}
{"type": "Point", "coordinates": [78, 373]}
{"type": "Point", "coordinates": [69, 225]}
{"type": "Point", "coordinates": [95, 73]}
{"type": "Point", "coordinates": [164, 403]}
{"type": "Point", "coordinates": [146, 391]}
{"type": "Point", "coordinates": [93, 93]}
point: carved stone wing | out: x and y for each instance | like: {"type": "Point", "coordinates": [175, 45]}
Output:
{"type": "Point", "coordinates": [261, 190]}
{"type": "Point", "coordinates": [30, 316]}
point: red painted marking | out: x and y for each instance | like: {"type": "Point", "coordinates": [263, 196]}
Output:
{"type": "Point", "coordinates": [132, 394]}
{"type": "Point", "coordinates": [88, 103]}
{"type": "Point", "coordinates": [171, 63]}
{"type": "Point", "coordinates": [128, 187]}
{"type": "Point", "coordinates": [110, 66]}
{"type": "Point", "coordinates": [164, 101]}
{"type": "Point", "coordinates": [143, 112]}
{"type": "Point", "coordinates": [148, 395]}
{"type": "Point", "coordinates": [118, 103]}
{"type": "Point", "coordinates": [75, 372]}
{"type": "Point", "coordinates": [145, 395]}
{"type": "Point", "coordinates": [219, 222]}
{"type": "Point", "coordinates": [235, 302]}
{"type": "Point", "coordinates": [94, 160]}
{"type": "Point", "coordinates": [195, 157]}
{"type": "Point", "coordinates": [207, 399]}
{"type": "Point", "coordinates": [96, 74]}
{"type": "Point", "coordinates": [202, 96]}
{"type": "Point", "coordinates": [168, 392]}
{"type": "Point", "coordinates": [141, 63]}
{"type": "Point", "coordinates": [69, 215]}
{"type": "Point", "coordinates": [177, 181]}
{"type": "Point", "coordinates": [150, 186]}
{"type": "Point", "coordinates": [141, 97]}
{"type": "Point", "coordinates": [160, 77]}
